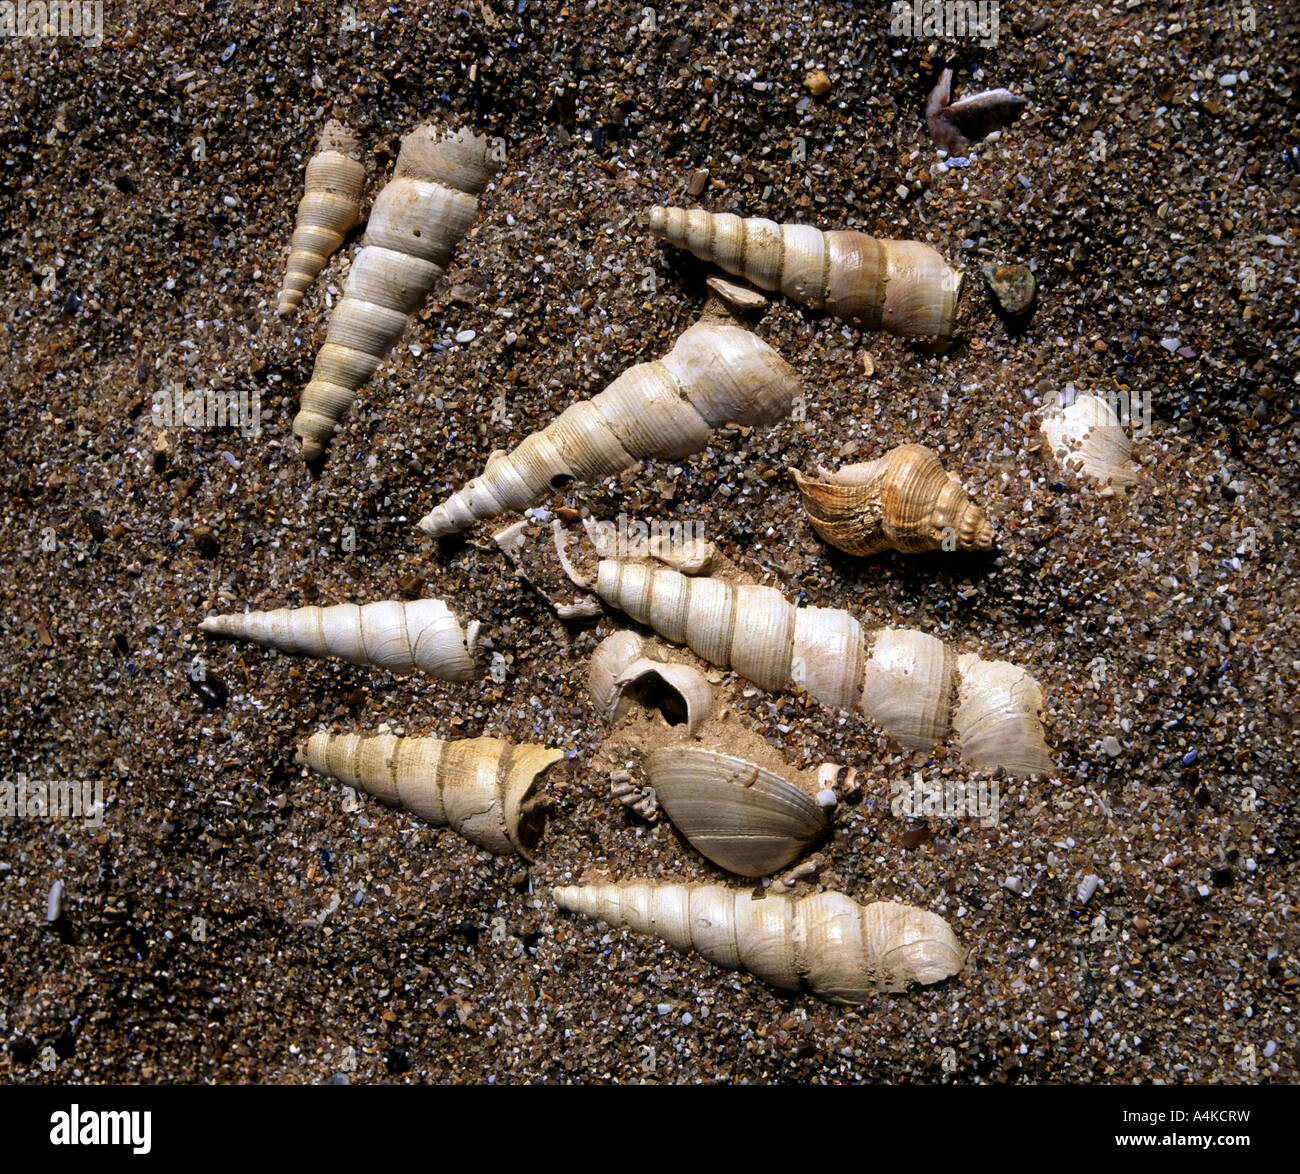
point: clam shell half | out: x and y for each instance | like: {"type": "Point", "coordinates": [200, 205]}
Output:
{"type": "Point", "coordinates": [742, 817]}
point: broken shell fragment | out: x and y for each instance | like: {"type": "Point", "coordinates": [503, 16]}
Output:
{"type": "Point", "coordinates": [330, 206]}
{"type": "Point", "coordinates": [625, 671]}
{"type": "Point", "coordinates": [956, 126]}
{"type": "Point", "coordinates": [903, 501]}
{"type": "Point", "coordinates": [400, 636]}
{"type": "Point", "coordinates": [824, 943]}
{"type": "Point", "coordinates": [482, 788]}
{"type": "Point", "coordinates": [744, 818]}
{"type": "Point", "coordinates": [1088, 438]}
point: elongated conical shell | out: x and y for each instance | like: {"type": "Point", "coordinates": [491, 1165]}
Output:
{"type": "Point", "coordinates": [742, 817]}
{"type": "Point", "coordinates": [330, 206]}
{"type": "Point", "coordinates": [903, 501]}
{"type": "Point", "coordinates": [418, 219]}
{"type": "Point", "coordinates": [399, 636]}
{"type": "Point", "coordinates": [825, 943]}
{"type": "Point", "coordinates": [717, 373]}
{"type": "Point", "coordinates": [624, 671]}
{"type": "Point", "coordinates": [1088, 437]}
{"type": "Point", "coordinates": [907, 682]}
{"type": "Point", "coordinates": [904, 287]}
{"type": "Point", "coordinates": [480, 787]}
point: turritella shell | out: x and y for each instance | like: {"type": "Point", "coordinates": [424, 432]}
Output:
{"type": "Point", "coordinates": [903, 501]}
{"type": "Point", "coordinates": [742, 817]}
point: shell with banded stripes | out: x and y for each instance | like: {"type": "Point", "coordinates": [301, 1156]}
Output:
{"type": "Point", "coordinates": [399, 636]}
{"type": "Point", "coordinates": [418, 219]}
{"type": "Point", "coordinates": [903, 287]}
{"type": "Point", "coordinates": [330, 206]}
{"type": "Point", "coordinates": [824, 943]}
{"type": "Point", "coordinates": [902, 501]}
{"type": "Point", "coordinates": [918, 689]}
{"type": "Point", "coordinates": [483, 788]}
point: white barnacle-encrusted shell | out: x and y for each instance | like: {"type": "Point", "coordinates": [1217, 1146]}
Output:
{"type": "Point", "coordinates": [743, 817]}
{"type": "Point", "coordinates": [1087, 437]}
{"type": "Point", "coordinates": [825, 943]}
{"type": "Point", "coordinates": [399, 636]}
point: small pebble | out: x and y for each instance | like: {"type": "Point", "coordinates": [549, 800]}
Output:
{"type": "Point", "coordinates": [466, 336]}
{"type": "Point", "coordinates": [817, 82]}
{"type": "Point", "coordinates": [1112, 747]}
{"type": "Point", "coordinates": [695, 185]}
{"type": "Point", "coordinates": [1087, 887]}
{"type": "Point", "coordinates": [1013, 286]}
{"type": "Point", "coordinates": [54, 902]}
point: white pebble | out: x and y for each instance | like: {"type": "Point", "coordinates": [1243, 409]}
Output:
{"type": "Point", "coordinates": [1228, 79]}
{"type": "Point", "coordinates": [466, 336]}
{"type": "Point", "coordinates": [1112, 747]}
{"type": "Point", "coordinates": [1269, 1049]}
{"type": "Point", "coordinates": [1014, 883]}
{"type": "Point", "coordinates": [826, 797]}
{"type": "Point", "coordinates": [1087, 887]}
{"type": "Point", "coordinates": [664, 1008]}
{"type": "Point", "coordinates": [687, 1020]}
{"type": "Point", "coordinates": [54, 902]}
{"type": "Point", "coordinates": [1204, 890]}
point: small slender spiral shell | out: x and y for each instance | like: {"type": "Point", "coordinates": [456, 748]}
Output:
{"type": "Point", "coordinates": [903, 501]}
{"type": "Point", "coordinates": [330, 206]}
{"type": "Point", "coordinates": [399, 636]}
{"type": "Point", "coordinates": [825, 943]}
{"type": "Point", "coordinates": [742, 817]}
{"type": "Point", "coordinates": [418, 219]}
{"type": "Point", "coordinates": [1088, 437]}
{"type": "Point", "coordinates": [911, 684]}
{"type": "Point", "coordinates": [479, 787]}
{"type": "Point", "coordinates": [623, 672]}
{"type": "Point", "coordinates": [717, 373]}
{"type": "Point", "coordinates": [904, 287]}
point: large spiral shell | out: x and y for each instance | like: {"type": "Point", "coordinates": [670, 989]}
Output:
{"type": "Point", "coordinates": [418, 219]}
{"type": "Point", "coordinates": [480, 787]}
{"type": "Point", "coordinates": [915, 687]}
{"type": "Point", "coordinates": [330, 206]}
{"type": "Point", "coordinates": [742, 816]}
{"type": "Point", "coordinates": [399, 636]}
{"type": "Point", "coordinates": [717, 373]}
{"type": "Point", "coordinates": [825, 943]}
{"type": "Point", "coordinates": [903, 501]}
{"type": "Point", "coordinates": [904, 287]}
